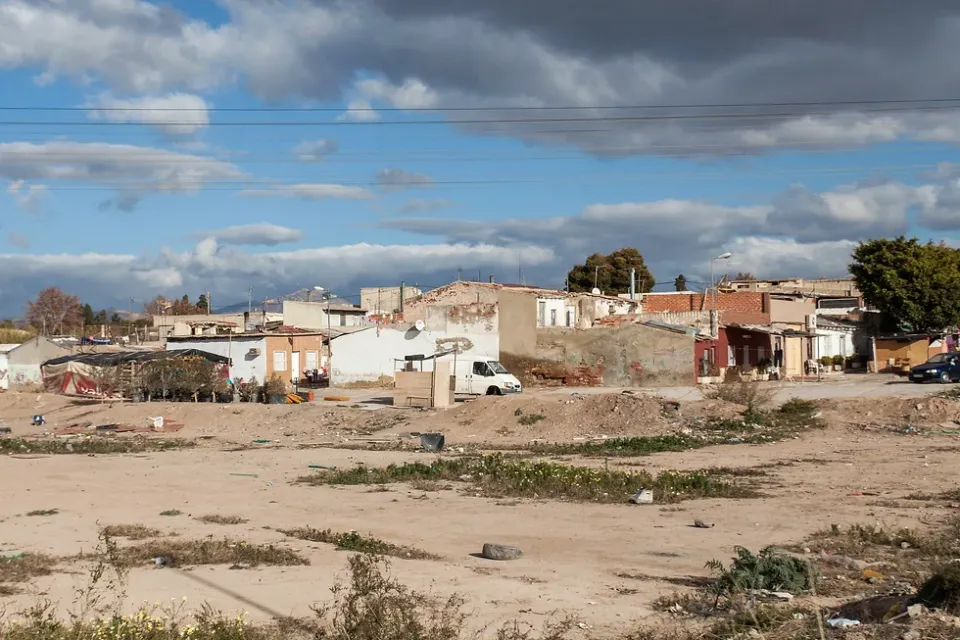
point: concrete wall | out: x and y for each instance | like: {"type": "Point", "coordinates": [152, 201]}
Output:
{"type": "Point", "coordinates": [556, 312]}
{"type": "Point", "coordinates": [791, 311]}
{"type": "Point", "coordinates": [165, 323]}
{"type": "Point", "coordinates": [454, 294]}
{"type": "Point", "coordinates": [622, 356]}
{"type": "Point", "coordinates": [699, 320]}
{"type": "Point", "coordinates": [835, 342]}
{"type": "Point", "coordinates": [4, 371]}
{"type": "Point", "coordinates": [385, 299]}
{"type": "Point", "coordinates": [366, 356]}
{"type": "Point", "coordinates": [313, 315]}
{"type": "Point", "coordinates": [243, 365]}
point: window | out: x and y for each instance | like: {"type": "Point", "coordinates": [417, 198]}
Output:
{"type": "Point", "coordinates": [279, 360]}
{"type": "Point", "coordinates": [496, 367]}
{"type": "Point", "coordinates": [311, 360]}
{"type": "Point", "coordinates": [553, 317]}
{"type": "Point", "coordinates": [569, 317]}
{"type": "Point", "coordinates": [480, 369]}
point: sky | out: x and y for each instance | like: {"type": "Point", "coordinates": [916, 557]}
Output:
{"type": "Point", "coordinates": [174, 148]}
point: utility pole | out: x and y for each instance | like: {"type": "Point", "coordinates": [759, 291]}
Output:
{"type": "Point", "coordinates": [209, 306]}
{"type": "Point", "coordinates": [596, 275]}
{"type": "Point", "coordinates": [249, 304]}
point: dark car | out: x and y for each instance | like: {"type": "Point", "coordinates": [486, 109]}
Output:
{"type": "Point", "coordinates": [943, 367]}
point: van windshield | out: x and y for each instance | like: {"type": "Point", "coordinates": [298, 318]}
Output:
{"type": "Point", "coordinates": [497, 367]}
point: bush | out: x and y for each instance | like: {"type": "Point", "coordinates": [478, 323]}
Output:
{"type": "Point", "coordinates": [826, 361]}
{"type": "Point", "coordinates": [275, 386]}
{"type": "Point", "coordinates": [751, 395]}
{"type": "Point", "coordinates": [766, 570]}
{"type": "Point", "coordinates": [838, 360]}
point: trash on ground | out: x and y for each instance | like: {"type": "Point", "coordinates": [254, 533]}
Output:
{"type": "Point", "coordinates": [320, 466]}
{"type": "Point", "coordinates": [702, 524]}
{"type": "Point", "coordinates": [842, 623]}
{"type": "Point", "coordinates": [245, 475]}
{"type": "Point", "coordinates": [642, 496]}
{"type": "Point", "coordinates": [432, 441]}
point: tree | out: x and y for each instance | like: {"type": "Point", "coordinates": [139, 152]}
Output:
{"type": "Point", "coordinates": [100, 317]}
{"type": "Point", "coordinates": [744, 277]}
{"type": "Point", "coordinates": [203, 305]}
{"type": "Point", "coordinates": [88, 317]}
{"type": "Point", "coordinates": [680, 283]}
{"type": "Point", "coordinates": [611, 273]}
{"type": "Point", "coordinates": [915, 286]}
{"type": "Point", "coordinates": [115, 318]}
{"type": "Point", "coordinates": [54, 311]}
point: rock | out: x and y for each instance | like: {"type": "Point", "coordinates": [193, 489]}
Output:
{"type": "Point", "coordinates": [701, 524]}
{"type": "Point", "coordinates": [501, 552]}
{"type": "Point", "coordinates": [916, 610]}
{"type": "Point", "coordinates": [913, 634]}
{"type": "Point", "coordinates": [904, 545]}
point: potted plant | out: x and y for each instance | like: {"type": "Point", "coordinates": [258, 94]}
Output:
{"type": "Point", "coordinates": [826, 362]}
{"type": "Point", "coordinates": [276, 390]}
{"type": "Point", "coordinates": [838, 363]}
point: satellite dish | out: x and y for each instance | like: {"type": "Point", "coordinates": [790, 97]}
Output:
{"type": "Point", "coordinates": [595, 291]}
{"type": "Point", "coordinates": [419, 325]}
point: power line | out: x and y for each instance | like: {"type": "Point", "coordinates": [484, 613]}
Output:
{"type": "Point", "coordinates": [488, 108]}
{"type": "Point", "coordinates": [470, 121]}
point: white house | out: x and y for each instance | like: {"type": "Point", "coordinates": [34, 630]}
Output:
{"type": "Point", "coordinates": [20, 363]}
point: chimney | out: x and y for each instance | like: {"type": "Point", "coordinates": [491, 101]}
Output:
{"type": "Point", "coordinates": [491, 279]}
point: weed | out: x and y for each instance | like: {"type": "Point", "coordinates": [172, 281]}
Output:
{"type": "Point", "coordinates": [497, 476]}
{"type": "Point", "coordinates": [131, 531]}
{"type": "Point", "coordinates": [219, 519]}
{"type": "Point", "coordinates": [43, 512]}
{"type": "Point", "coordinates": [202, 552]}
{"type": "Point", "coordinates": [765, 570]}
{"type": "Point", "coordinates": [429, 486]}
{"type": "Point", "coordinates": [942, 590]}
{"type": "Point", "coordinates": [23, 568]}
{"type": "Point", "coordinates": [752, 395]}
{"type": "Point", "coordinates": [353, 541]}
{"type": "Point", "coordinates": [94, 445]}
{"type": "Point", "coordinates": [171, 512]}
{"type": "Point", "coordinates": [530, 419]}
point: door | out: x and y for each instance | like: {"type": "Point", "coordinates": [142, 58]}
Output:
{"type": "Point", "coordinates": [478, 377]}
{"type": "Point", "coordinates": [295, 372]}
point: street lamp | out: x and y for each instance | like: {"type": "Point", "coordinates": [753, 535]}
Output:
{"type": "Point", "coordinates": [328, 295]}
{"type": "Point", "coordinates": [713, 285]}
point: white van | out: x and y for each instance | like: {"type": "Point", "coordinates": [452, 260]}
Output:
{"type": "Point", "coordinates": [482, 375]}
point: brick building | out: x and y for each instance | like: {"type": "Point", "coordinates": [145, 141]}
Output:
{"type": "Point", "coordinates": [742, 307]}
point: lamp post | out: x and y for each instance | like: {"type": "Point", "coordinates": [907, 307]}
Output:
{"type": "Point", "coordinates": [328, 295]}
{"type": "Point", "coordinates": [713, 285]}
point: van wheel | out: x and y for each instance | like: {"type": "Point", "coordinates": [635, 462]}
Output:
{"type": "Point", "coordinates": [493, 391]}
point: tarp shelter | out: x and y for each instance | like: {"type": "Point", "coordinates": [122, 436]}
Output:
{"type": "Point", "coordinates": [78, 374]}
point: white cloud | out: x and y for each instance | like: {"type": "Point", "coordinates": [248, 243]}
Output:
{"type": "Point", "coordinates": [179, 114]}
{"type": "Point", "coordinates": [310, 191]}
{"type": "Point", "coordinates": [316, 150]}
{"type": "Point", "coordinates": [359, 110]}
{"type": "Point", "coordinates": [412, 94]}
{"type": "Point", "coordinates": [228, 272]}
{"type": "Point", "coordinates": [265, 234]}
{"type": "Point", "coordinates": [131, 170]}
{"type": "Point", "coordinates": [393, 178]}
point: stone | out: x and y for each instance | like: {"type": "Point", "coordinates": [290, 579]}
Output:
{"type": "Point", "coordinates": [913, 634]}
{"type": "Point", "coordinates": [916, 610]}
{"type": "Point", "coordinates": [701, 524]}
{"type": "Point", "coordinates": [493, 551]}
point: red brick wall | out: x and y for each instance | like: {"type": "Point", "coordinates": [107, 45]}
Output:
{"type": "Point", "coordinates": [747, 307]}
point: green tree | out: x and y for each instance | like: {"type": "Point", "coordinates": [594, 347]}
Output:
{"type": "Point", "coordinates": [744, 277]}
{"type": "Point", "coordinates": [202, 303]}
{"type": "Point", "coordinates": [88, 317]}
{"type": "Point", "coordinates": [115, 318]}
{"type": "Point", "coordinates": [100, 317]}
{"type": "Point", "coordinates": [915, 286]}
{"type": "Point", "coordinates": [611, 273]}
{"type": "Point", "coordinates": [680, 283]}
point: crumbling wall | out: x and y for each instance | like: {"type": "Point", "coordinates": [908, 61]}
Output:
{"type": "Point", "coordinates": [623, 356]}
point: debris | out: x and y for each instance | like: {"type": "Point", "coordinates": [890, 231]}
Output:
{"type": "Point", "coordinates": [642, 496]}
{"type": "Point", "coordinates": [6, 430]}
{"type": "Point", "coordinates": [163, 561]}
{"type": "Point", "coordinates": [12, 556]}
{"type": "Point", "coordinates": [320, 466]}
{"type": "Point", "coordinates": [842, 623]}
{"type": "Point", "coordinates": [912, 634]}
{"type": "Point", "coordinates": [262, 441]}
{"type": "Point", "coordinates": [518, 412]}
{"type": "Point", "coordinates": [871, 576]}
{"type": "Point", "coordinates": [337, 398]}
{"type": "Point", "coordinates": [37, 421]}
{"type": "Point", "coordinates": [432, 441]}
{"type": "Point", "coordinates": [500, 552]}
{"type": "Point", "coordinates": [904, 545]}
{"type": "Point", "coordinates": [700, 524]}
{"type": "Point", "coordinates": [157, 422]}
{"type": "Point", "coordinates": [245, 475]}
{"type": "Point", "coordinates": [916, 611]}
{"type": "Point", "coordinates": [783, 596]}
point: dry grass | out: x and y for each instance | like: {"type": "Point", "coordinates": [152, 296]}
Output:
{"type": "Point", "coordinates": [353, 541]}
{"type": "Point", "coordinates": [42, 512]}
{"type": "Point", "coordinates": [235, 553]}
{"type": "Point", "coordinates": [94, 445]}
{"type": "Point", "coordinates": [171, 512]}
{"type": "Point", "coordinates": [23, 568]}
{"type": "Point", "coordinates": [131, 531]}
{"type": "Point", "coordinates": [221, 519]}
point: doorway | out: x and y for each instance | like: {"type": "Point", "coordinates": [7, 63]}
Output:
{"type": "Point", "coordinates": [295, 366]}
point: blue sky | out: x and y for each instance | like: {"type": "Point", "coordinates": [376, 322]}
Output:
{"type": "Point", "coordinates": [142, 186]}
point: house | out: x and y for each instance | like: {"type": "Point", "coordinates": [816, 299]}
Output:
{"type": "Point", "coordinates": [288, 354]}
{"type": "Point", "coordinates": [321, 315]}
{"type": "Point", "coordinates": [20, 364]}
{"type": "Point", "coordinates": [387, 300]}
{"type": "Point", "coordinates": [743, 307]}
{"type": "Point", "coordinates": [818, 286]}
{"type": "Point", "coordinates": [169, 325]}
{"type": "Point", "coordinates": [898, 353]}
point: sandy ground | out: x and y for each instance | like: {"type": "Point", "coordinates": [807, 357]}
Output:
{"type": "Point", "coordinates": [573, 552]}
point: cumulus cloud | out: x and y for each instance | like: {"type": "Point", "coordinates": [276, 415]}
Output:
{"type": "Point", "coordinates": [393, 178]}
{"type": "Point", "coordinates": [359, 110]}
{"type": "Point", "coordinates": [537, 54]}
{"type": "Point", "coordinates": [316, 150]}
{"type": "Point", "coordinates": [265, 234]}
{"type": "Point", "coordinates": [310, 191]}
{"type": "Point", "coordinates": [179, 114]}
{"type": "Point", "coordinates": [132, 170]}
{"type": "Point", "coordinates": [421, 205]}
{"type": "Point", "coordinates": [106, 279]}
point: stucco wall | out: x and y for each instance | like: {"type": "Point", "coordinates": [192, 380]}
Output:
{"type": "Point", "coordinates": [557, 312]}
{"type": "Point", "coordinates": [518, 325]}
{"type": "Point", "coordinates": [791, 311]}
{"type": "Point", "coordinates": [243, 365]}
{"type": "Point", "coordinates": [623, 356]}
{"type": "Point", "coordinates": [165, 323]}
{"type": "Point", "coordinates": [365, 356]}
{"type": "Point", "coordinates": [24, 361]}
{"type": "Point", "coordinates": [4, 372]}
{"type": "Point", "coordinates": [385, 299]}
{"type": "Point", "coordinates": [313, 315]}
{"type": "Point", "coordinates": [456, 293]}
{"type": "Point", "coordinates": [288, 345]}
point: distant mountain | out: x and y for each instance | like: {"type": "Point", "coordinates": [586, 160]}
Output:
{"type": "Point", "coordinates": [275, 305]}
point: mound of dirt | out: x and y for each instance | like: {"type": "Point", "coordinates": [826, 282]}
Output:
{"type": "Point", "coordinates": [893, 412]}
{"type": "Point", "coordinates": [564, 418]}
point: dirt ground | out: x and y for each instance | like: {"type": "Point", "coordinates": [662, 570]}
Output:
{"type": "Point", "coordinates": [860, 469]}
